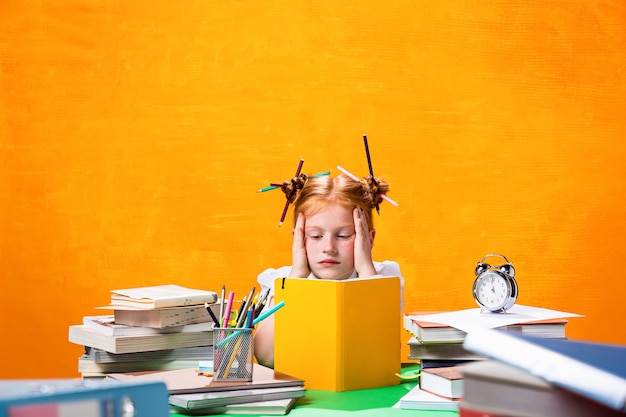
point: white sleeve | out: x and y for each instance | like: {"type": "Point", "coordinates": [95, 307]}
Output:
{"type": "Point", "coordinates": [266, 278]}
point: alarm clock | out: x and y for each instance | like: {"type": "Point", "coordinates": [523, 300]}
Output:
{"type": "Point", "coordinates": [495, 288]}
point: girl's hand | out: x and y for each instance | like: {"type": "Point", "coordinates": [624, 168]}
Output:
{"type": "Point", "coordinates": [299, 262]}
{"type": "Point", "coordinates": [363, 263]}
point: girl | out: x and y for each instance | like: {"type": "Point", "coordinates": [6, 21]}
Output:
{"type": "Point", "coordinates": [332, 239]}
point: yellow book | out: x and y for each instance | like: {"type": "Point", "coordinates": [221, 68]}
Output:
{"type": "Point", "coordinates": [339, 335]}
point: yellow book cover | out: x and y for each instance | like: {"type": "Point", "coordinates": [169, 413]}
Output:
{"type": "Point", "coordinates": [339, 335]}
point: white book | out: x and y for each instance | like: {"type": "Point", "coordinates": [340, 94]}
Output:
{"type": "Point", "coordinates": [106, 325]}
{"type": "Point", "coordinates": [160, 296]}
{"type": "Point", "coordinates": [418, 399]}
{"type": "Point", "coordinates": [83, 335]}
{"type": "Point", "coordinates": [237, 396]}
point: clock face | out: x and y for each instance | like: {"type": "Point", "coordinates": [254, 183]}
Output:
{"type": "Point", "coordinates": [493, 291]}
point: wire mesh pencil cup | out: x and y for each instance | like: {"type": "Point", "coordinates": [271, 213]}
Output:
{"type": "Point", "coordinates": [233, 354]}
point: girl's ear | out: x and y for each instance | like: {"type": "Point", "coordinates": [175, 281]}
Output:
{"type": "Point", "coordinates": [372, 236]}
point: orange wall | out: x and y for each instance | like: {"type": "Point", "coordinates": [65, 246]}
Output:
{"type": "Point", "coordinates": [133, 136]}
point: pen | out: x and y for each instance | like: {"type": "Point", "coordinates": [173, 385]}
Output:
{"type": "Point", "coordinates": [212, 314]}
{"type": "Point", "coordinates": [369, 163]}
{"type": "Point", "coordinates": [241, 307]}
{"type": "Point", "coordinates": [354, 177]}
{"type": "Point", "coordinates": [229, 305]}
{"type": "Point", "coordinates": [222, 302]}
{"type": "Point", "coordinates": [244, 310]}
{"type": "Point", "coordinates": [261, 302]}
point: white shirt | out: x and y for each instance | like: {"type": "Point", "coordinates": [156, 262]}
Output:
{"type": "Point", "coordinates": [385, 268]}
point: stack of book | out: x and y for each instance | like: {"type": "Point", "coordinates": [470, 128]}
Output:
{"type": "Point", "coordinates": [151, 328]}
{"type": "Point", "coordinates": [527, 376]}
{"type": "Point", "coordinates": [437, 341]}
{"type": "Point", "coordinates": [436, 344]}
{"type": "Point", "coordinates": [194, 392]}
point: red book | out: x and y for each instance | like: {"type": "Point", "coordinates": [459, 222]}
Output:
{"type": "Point", "coordinates": [446, 381]}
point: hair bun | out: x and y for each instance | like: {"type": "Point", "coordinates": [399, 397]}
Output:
{"type": "Point", "coordinates": [291, 188]}
{"type": "Point", "coordinates": [376, 188]}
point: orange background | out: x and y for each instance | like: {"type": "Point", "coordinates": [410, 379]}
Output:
{"type": "Point", "coordinates": [133, 136]}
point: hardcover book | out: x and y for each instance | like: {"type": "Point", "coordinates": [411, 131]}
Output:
{"type": "Point", "coordinates": [188, 381]}
{"type": "Point", "coordinates": [91, 368]}
{"type": "Point", "coordinates": [319, 334]}
{"type": "Point", "coordinates": [593, 370]}
{"type": "Point", "coordinates": [493, 388]}
{"type": "Point", "coordinates": [446, 381]}
{"type": "Point", "coordinates": [159, 296]}
{"type": "Point", "coordinates": [439, 351]}
{"type": "Point", "coordinates": [83, 335]}
{"type": "Point", "coordinates": [163, 317]}
{"type": "Point", "coordinates": [78, 397]}
{"type": "Point", "coordinates": [270, 407]}
{"type": "Point", "coordinates": [197, 353]}
{"type": "Point", "coordinates": [221, 398]}
{"type": "Point", "coordinates": [418, 399]}
{"type": "Point", "coordinates": [107, 325]}
{"type": "Point", "coordinates": [432, 332]}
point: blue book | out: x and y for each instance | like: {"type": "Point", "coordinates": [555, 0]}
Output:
{"type": "Point", "coordinates": [78, 397]}
{"type": "Point", "coordinates": [594, 370]}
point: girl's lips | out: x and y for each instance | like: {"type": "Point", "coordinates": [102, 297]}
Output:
{"type": "Point", "coordinates": [328, 262]}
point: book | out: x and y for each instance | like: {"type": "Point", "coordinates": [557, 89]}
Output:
{"type": "Point", "coordinates": [83, 335]}
{"type": "Point", "coordinates": [418, 399]}
{"type": "Point", "coordinates": [469, 410]}
{"type": "Point", "coordinates": [443, 381]}
{"type": "Point", "coordinates": [327, 320]}
{"type": "Point", "coordinates": [89, 367]}
{"type": "Point", "coordinates": [77, 397]}
{"type": "Point", "coordinates": [197, 353]}
{"type": "Point", "coordinates": [432, 332]}
{"type": "Point", "coordinates": [202, 401]}
{"type": "Point", "coordinates": [442, 363]}
{"type": "Point", "coordinates": [160, 296]}
{"type": "Point", "coordinates": [106, 325]}
{"type": "Point", "coordinates": [495, 389]}
{"type": "Point", "coordinates": [593, 370]}
{"type": "Point", "coordinates": [160, 318]}
{"type": "Point", "coordinates": [273, 407]}
{"type": "Point", "coordinates": [187, 381]}
{"type": "Point", "coordinates": [439, 351]}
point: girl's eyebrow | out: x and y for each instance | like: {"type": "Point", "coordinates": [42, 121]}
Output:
{"type": "Point", "coordinates": [320, 228]}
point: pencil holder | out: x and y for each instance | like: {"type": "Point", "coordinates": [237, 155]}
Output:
{"type": "Point", "coordinates": [233, 354]}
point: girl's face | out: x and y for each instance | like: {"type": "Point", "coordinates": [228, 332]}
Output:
{"type": "Point", "coordinates": [329, 240]}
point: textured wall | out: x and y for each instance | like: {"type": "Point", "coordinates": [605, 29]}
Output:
{"type": "Point", "coordinates": [133, 136]}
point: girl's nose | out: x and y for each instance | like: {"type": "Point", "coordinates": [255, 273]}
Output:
{"type": "Point", "coordinates": [329, 245]}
